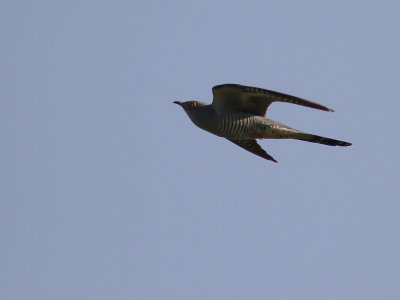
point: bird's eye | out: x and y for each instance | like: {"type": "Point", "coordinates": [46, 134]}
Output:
{"type": "Point", "coordinates": [193, 103]}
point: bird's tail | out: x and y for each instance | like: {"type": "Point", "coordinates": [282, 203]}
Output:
{"type": "Point", "coordinates": [318, 139]}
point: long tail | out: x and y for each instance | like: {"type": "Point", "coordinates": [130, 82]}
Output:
{"type": "Point", "coordinates": [318, 139]}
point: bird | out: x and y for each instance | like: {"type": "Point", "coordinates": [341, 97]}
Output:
{"type": "Point", "coordinates": [237, 113]}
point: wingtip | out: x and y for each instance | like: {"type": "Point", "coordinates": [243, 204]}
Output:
{"type": "Point", "coordinates": [344, 144]}
{"type": "Point", "coordinates": [331, 110]}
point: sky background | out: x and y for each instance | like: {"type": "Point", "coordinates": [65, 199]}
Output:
{"type": "Point", "coordinates": [108, 191]}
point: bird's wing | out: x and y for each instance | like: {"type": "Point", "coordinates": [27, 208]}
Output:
{"type": "Point", "coordinates": [253, 147]}
{"type": "Point", "coordinates": [254, 100]}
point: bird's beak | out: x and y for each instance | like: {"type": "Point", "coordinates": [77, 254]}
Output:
{"type": "Point", "coordinates": [178, 102]}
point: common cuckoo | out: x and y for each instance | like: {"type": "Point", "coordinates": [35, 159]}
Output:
{"type": "Point", "coordinates": [237, 114]}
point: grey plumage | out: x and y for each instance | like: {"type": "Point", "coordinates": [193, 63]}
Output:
{"type": "Point", "coordinates": [237, 114]}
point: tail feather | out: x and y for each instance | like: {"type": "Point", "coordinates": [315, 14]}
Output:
{"type": "Point", "coordinates": [319, 139]}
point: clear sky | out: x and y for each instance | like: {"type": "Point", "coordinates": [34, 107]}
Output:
{"type": "Point", "coordinates": [108, 191]}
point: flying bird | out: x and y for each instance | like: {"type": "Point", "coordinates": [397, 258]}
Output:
{"type": "Point", "coordinates": [237, 113]}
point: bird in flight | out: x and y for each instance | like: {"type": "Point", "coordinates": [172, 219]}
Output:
{"type": "Point", "coordinates": [237, 113]}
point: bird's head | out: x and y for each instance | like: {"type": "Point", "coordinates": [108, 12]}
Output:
{"type": "Point", "coordinates": [199, 112]}
{"type": "Point", "coordinates": [192, 107]}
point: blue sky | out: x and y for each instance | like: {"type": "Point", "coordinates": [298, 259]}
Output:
{"type": "Point", "coordinates": [108, 191]}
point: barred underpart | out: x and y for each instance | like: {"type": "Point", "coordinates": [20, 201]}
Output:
{"type": "Point", "coordinates": [238, 125]}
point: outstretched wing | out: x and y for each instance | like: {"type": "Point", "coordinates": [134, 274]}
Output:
{"type": "Point", "coordinates": [254, 100]}
{"type": "Point", "coordinates": [253, 147]}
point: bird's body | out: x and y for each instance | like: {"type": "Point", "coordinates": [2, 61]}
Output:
{"type": "Point", "coordinates": [237, 125]}
{"type": "Point", "coordinates": [237, 114]}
